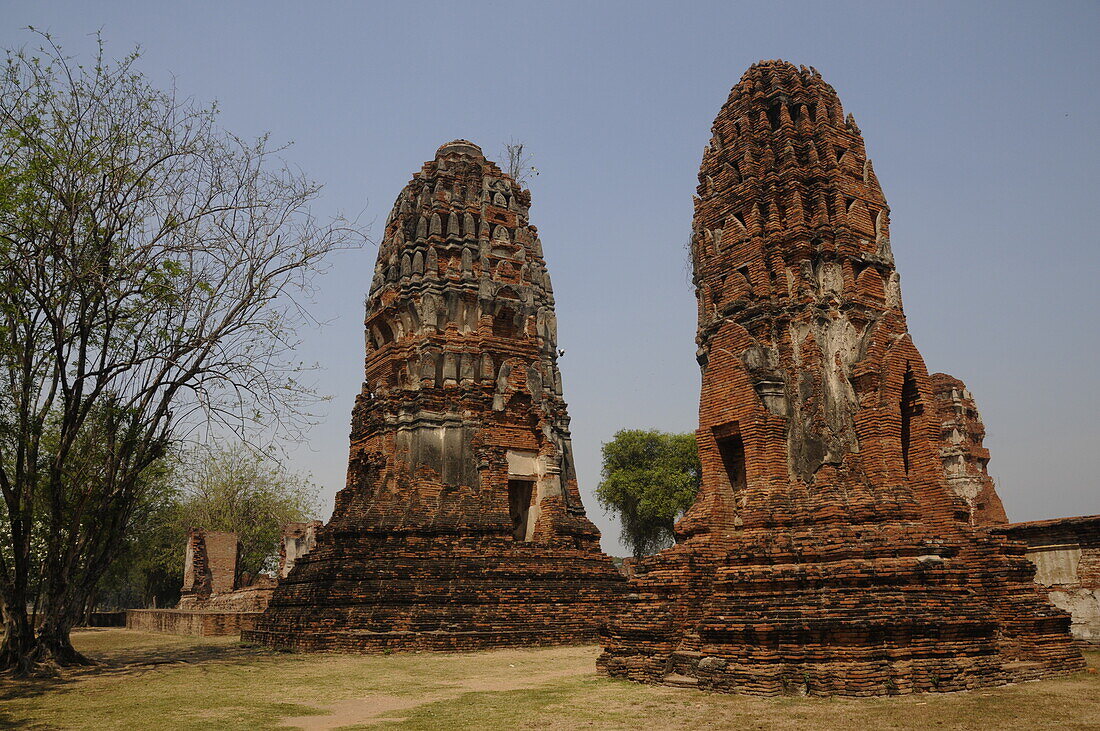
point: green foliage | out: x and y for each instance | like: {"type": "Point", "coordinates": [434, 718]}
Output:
{"type": "Point", "coordinates": [234, 489]}
{"type": "Point", "coordinates": [154, 268]}
{"type": "Point", "coordinates": [649, 479]}
{"type": "Point", "coordinates": [149, 569]}
{"type": "Point", "coordinates": [240, 490]}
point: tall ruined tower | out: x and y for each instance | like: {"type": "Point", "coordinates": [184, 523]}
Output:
{"type": "Point", "coordinates": [962, 453]}
{"type": "Point", "coordinates": [825, 552]}
{"type": "Point", "coordinates": [461, 525]}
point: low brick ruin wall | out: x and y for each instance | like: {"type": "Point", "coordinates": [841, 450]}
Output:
{"type": "Point", "coordinates": [1066, 554]}
{"type": "Point", "coordinates": [106, 619]}
{"type": "Point", "coordinates": [198, 624]}
{"type": "Point", "coordinates": [248, 599]}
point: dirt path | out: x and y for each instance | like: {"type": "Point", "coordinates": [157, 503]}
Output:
{"type": "Point", "coordinates": [380, 707]}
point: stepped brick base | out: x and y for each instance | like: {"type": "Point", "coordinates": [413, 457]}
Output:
{"type": "Point", "coordinates": [870, 611]}
{"type": "Point", "coordinates": [417, 593]}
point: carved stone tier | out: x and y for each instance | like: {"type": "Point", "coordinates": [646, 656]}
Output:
{"type": "Point", "coordinates": [965, 459]}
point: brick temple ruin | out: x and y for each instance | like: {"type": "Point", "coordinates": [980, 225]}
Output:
{"type": "Point", "coordinates": [212, 580]}
{"type": "Point", "coordinates": [298, 539]}
{"type": "Point", "coordinates": [217, 598]}
{"type": "Point", "coordinates": [1066, 554]}
{"type": "Point", "coordinates": [1065, 551]}
{"type": "Point", "coordinates": [827, 551]}
{"type": "Point", "coordinates": [461, 525]}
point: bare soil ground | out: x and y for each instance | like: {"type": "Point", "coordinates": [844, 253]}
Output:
{"type": "Point", "coordinates": [164, 682]}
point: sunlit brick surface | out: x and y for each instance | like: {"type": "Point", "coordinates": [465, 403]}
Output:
{"type": "Point", "coordinates": [826, 553]}
{"type": "Point", "coordinates": [461, 525]}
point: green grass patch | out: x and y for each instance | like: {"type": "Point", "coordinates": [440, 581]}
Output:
{"type": "Point", "coordinates": [164, 682]}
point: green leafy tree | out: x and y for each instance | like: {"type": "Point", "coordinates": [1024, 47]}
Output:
{"type": "Point", "coordinates": [649, 480]}
{"type": "Point", "coordinates": [148, 571]}
{"type": "Point", "coordinates": [242, 491]}
{"type": "Point", "coordinates": [236, 489]}
{"type": "Point", "coordinates": [153, 270]}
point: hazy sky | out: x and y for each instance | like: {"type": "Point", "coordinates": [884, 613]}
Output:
{"type": "Point", "coordinates": [981, 119]}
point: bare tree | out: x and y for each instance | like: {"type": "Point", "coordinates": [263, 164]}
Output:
{"type": "Point", "coordinates": [518, 162]}
{"type": "Point", "coordinates": [152, 274]}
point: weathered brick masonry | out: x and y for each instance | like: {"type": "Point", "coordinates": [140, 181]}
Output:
{"type": "Point", "coordinates": [198, 623]}
{"type": "Point", "coordinates": [461, 525]}
{"type": "Point", "coordinates": [965, 459]}
{"type": "Point", "coordinates": [826, 553]}
{"type": "Point", "coordinates": [212, 581]}
{"type": "Point", "coordinates": [1066, 554]}
{"type": "Point", "coordinates": [209, 565]}
{"type": "Point", "coordinates": [216, 598]}
{"type": "Point", "coordinates": [298, 539]}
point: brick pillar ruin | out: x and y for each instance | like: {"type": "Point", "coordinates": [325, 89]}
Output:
{"type": "Point", "coordinates": [298, 539]}
{"type": "Point", "coordinates": [209, 565]}
{"type": "Point", "coordinates": [965, 459]}
{"type": "Point", "coordinates": [461, 525]}
{"type": "Point", "coordinates": [826, 553]}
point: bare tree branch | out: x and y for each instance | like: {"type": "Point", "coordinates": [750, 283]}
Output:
{"type": "Point", "coordinates": [153, 272]}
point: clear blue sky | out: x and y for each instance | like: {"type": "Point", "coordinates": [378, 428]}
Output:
{"type": "Point", "coordinates": [981, 119]}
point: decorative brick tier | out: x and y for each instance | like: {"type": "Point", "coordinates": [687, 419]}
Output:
{"type": "Point", "coordinates": [826, 553]}
{"type": "Point", "coordinates": [461, 525]}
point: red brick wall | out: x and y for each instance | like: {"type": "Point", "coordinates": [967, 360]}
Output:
{"type": "Point", "coordinates": [210, 563]}
{"type": "Point", "coordinates": [1072, 545]}
{"type": "Point", "coordinates": [199, 624]}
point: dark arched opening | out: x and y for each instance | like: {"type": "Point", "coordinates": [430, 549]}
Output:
{"type": "Point", "coordinates": [732, 450]}
{"type": "Point", "coordinates": [910, 407]}
{"type": "Point", "coordinates": [504, 324]}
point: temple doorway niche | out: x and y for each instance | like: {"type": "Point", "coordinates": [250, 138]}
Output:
{"type": "Point", "coordinates": [732, 449]}
{"type": "Point", "coordinates": [910, 407]}
{"type": "Point", "coordinates": [519, 506]}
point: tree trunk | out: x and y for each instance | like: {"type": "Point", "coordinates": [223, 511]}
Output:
{"type": "Point", "coordinates": [61, 610]}
{"type": "Point", "coordinates": [19, 647]}
{"type": "Point", "coordinates": [89, 608]}
{"type": "Point", "coordinates": [53, 642]}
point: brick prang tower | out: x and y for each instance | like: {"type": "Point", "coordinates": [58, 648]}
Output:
{"type": "Point", "coordinates": [825, 553]}
{"type": "Point", "coordinates": [965, 459]}
{"type": "Point", "coordinates": [461, 525]}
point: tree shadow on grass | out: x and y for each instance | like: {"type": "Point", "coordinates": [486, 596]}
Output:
{"type": "Point", "coordinates": [124, 661]}
{"type": "Point", "coordinates": [124, 664]}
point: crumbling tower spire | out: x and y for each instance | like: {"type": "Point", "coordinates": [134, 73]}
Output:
{"type": "Point", "coordinates": [962, 453]}
{"type": "Point", "coordinates": [825, 552]}
{"type": "Point", "coordinates": [461, 525]}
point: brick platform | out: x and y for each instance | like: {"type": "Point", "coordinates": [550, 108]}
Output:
{"type": "Point", "coordinates": [198, 624]}
{"type": "Point", "coordinates": [826, 553]}
{"type": "Point", "coordinates": [461, 525]}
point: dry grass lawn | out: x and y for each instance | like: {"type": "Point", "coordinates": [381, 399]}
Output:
{"type": "Point", "coordinates": [165, 682]}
